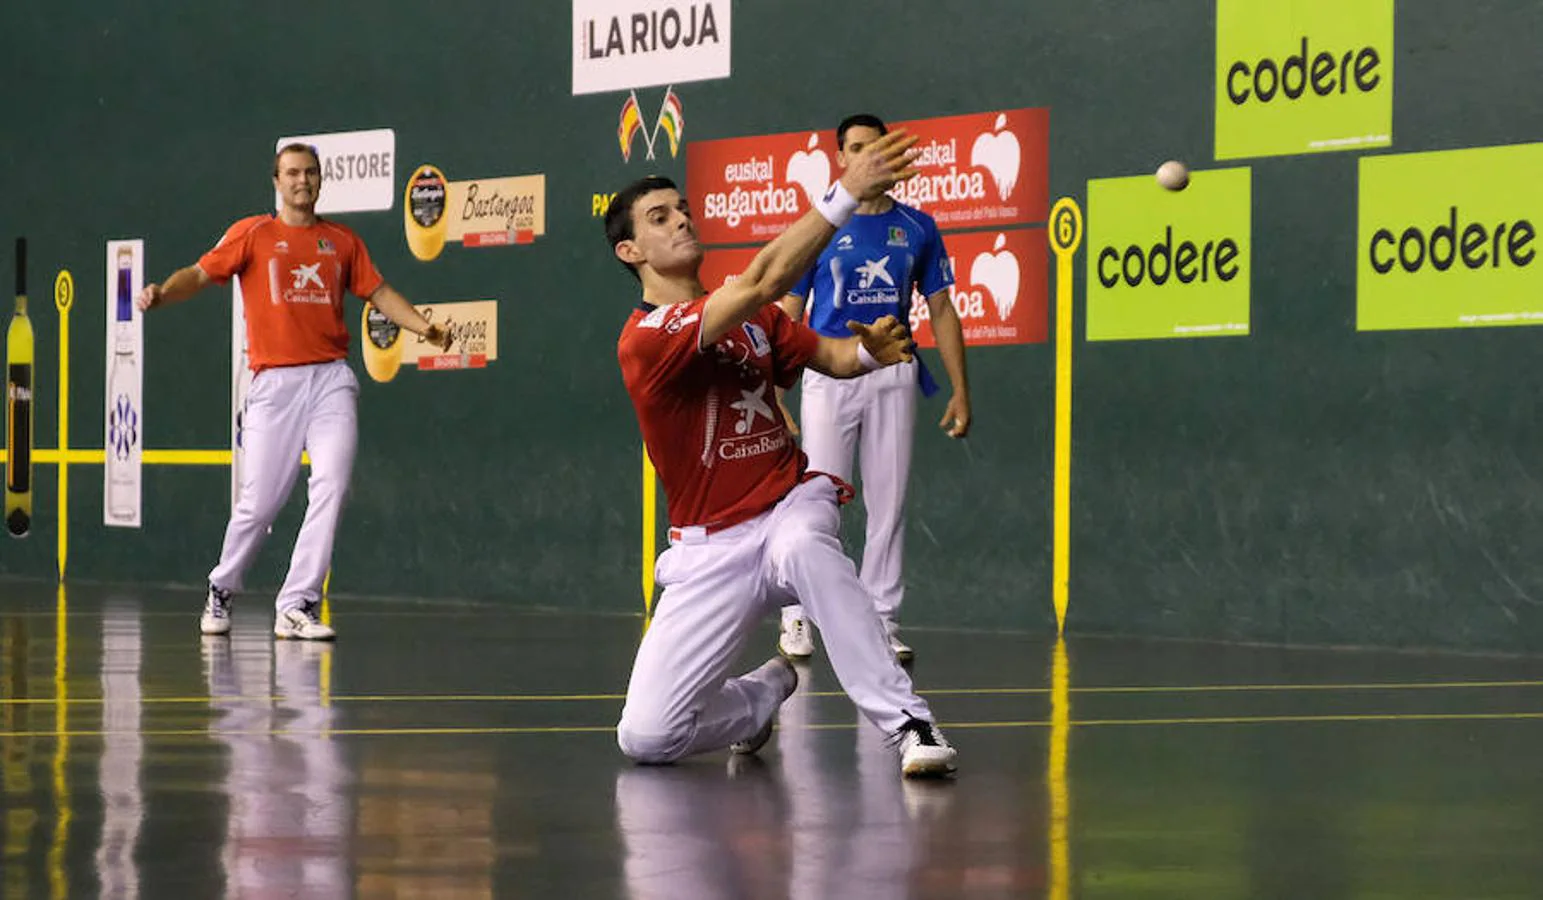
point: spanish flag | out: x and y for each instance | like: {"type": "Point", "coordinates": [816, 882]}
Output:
{"type": "Point", "coordinates": [631, 121]}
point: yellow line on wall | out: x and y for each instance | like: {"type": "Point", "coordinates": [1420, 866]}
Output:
{"type": "Point", "coordinates": [149, 457]}
{"type": "Point", "coordinates": [187, 457]}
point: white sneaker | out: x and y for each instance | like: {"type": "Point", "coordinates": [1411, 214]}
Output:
{"type": "Point", "coordinates": [797, 641]}
{"type": "Point", "coordinates": [758, 740]}
{"type": "Point", "coordinates": [901, 649]}
{"type": "Point", "coordinates": [924, 752]}
{"type": "Point", "coordinates": [303, 624]}
{"type": "Point", "coordinates": [216, 617]}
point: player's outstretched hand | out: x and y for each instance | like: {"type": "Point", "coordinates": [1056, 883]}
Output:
{"type": "Point", "coordinates": [439, 336]}
{"type": "Point", "coordinates": [879, 166]}
{"type": "Point", "coordinates": [886, 339]}
{"type": "Point", "coordinates": [148, 297]}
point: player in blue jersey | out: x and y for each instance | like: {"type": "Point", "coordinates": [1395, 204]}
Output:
{"type": "Point", "coordinates": [869, 270]}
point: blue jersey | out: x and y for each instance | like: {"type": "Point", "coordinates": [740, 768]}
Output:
{"type": "Point", "coordinates": [868, 269]}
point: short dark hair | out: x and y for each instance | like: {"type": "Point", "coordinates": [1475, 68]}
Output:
{"type": "Point", "coordinates": [865, 119]}
{"type": "Point", "coordinates": [618, 216]}
{"type": "Point", "coordinates": [296, 147]}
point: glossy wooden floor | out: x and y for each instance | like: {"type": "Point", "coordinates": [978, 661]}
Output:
{"type": "Point", "coordinates": [468, 751]}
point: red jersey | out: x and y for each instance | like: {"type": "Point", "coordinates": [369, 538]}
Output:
{"type": "Point", "coordinates": [709, 416]}
{"type": "Point", "coordinates": [292, 283]}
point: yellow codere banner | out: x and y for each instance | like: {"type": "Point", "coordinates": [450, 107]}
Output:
{"type": "Point", "coordinates": [1306, 76]}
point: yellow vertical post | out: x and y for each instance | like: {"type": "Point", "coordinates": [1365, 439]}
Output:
{"type": "Point", "coordinates": [650, 534]}
{"type": "Point", "coordinates": [64, 298]}
{"type": "Point", "coordinates": [1065, 237]}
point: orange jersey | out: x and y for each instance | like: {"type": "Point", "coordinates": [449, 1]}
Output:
{"type": "Point", "coordinates": [292, 283]}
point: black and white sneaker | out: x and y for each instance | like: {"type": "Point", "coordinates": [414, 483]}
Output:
{"type": "Point", "coordinates": [216, 617]}
{"type": "Point", "coordinates": [924, 752]}
{"type": "Point", "coordinates": [303, 624]}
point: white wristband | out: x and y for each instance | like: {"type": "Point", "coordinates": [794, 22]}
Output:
{"type": "Point", "coordinates": [838, 205]}
{"type": "Point", "coordinates": [865, 359]}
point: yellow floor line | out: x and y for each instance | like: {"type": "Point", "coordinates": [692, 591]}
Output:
{"type": "Point", "coordinates": [935, 692]}
{"type": "Point", "coordinates": [595, 729]}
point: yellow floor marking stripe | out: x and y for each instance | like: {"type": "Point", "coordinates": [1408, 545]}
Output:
{"type": "Point", "coordinates": [834, 726]}
{"type": "Point", "coordinates": [1265, 720]}
{"type": "Point", "coordinates": [935, 692]}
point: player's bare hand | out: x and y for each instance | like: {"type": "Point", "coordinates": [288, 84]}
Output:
{"type": "Point", "coordinates": [149, 297]}
{"type": "Point", "coordinates": [956, 417]}
{"type": "Point", "coordinates": [880, 165]}
{"type": "Point", "coordinates": [439, 336]}
{"type": "Point", "coordinates": [887, 340]}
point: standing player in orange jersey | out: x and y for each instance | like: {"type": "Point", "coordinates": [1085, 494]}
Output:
{"type": "Point", "coordinates": [294, 267]}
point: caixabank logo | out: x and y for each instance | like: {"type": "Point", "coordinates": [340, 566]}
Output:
{"type": "Point", "coordinates": [1449, 239]}
{"type": "Point", "coordinates": [1308, 76]}
{"type": "Point", "coordinates": [1166, 264]}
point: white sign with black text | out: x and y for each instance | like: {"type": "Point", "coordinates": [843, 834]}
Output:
{"type": "Point", "coordinates": [619, 45]}
{"type": "Point", "coordinates": [358, 169]}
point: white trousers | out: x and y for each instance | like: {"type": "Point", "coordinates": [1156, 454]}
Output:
{"type": "Point", "coordinates": [874, 416]}
{"type": "Point", "coordinates": [311, 408]}
{"type": "Point", "coordinates": [716, 588]}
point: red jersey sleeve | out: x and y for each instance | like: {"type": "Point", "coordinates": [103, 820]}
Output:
{"type": "Point", "coordinates": [793, 345]}
{"type": "Point", "coordinates": [663, 344]}
{"type": "Point", "coordinates": [363, 278]}
{"type": "Point", "coordinates": [231, 255]}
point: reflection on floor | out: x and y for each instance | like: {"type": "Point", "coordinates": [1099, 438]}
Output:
{"type": "Point", "coordinates": [477, 759]}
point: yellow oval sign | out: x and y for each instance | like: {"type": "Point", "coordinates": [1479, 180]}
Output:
{"type": "Point", "coordinates": [64, 291]}
{"type": "Point", "coordinates": [1065, 227]}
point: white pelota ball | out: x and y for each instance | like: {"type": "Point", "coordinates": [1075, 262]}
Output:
{"type": "Point", "coordinates": [1173, 175]}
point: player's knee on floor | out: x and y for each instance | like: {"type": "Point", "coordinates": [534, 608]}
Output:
{"type": "Point", "coordinates": [651, 745]}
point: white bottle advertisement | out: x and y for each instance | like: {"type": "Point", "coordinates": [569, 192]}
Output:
{"type": "Point", "coordinates": [124, 419]}
{"type": "Point", "coordinates": [240, 380]}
